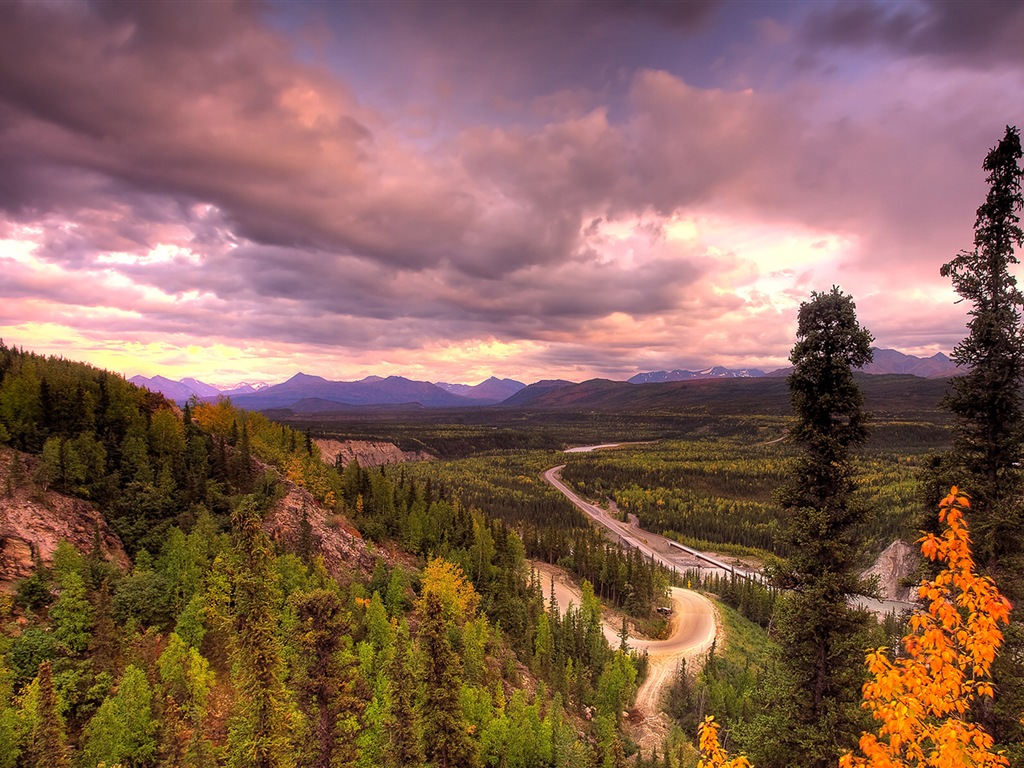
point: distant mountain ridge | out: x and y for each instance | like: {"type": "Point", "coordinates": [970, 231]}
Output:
{"type": "Point", "coordinates": [183, 390]}
{"type": "Point", "coordinates": [306, 393]}
{"type": "Point", "coordinates": [764, 394]}
{"type": "Point", "coordinates": [537, 390]}
{"type": "Point", "coordinates": [885, 361]}
{"type": "Point", "coordinates": [714, 372]}
{"type": "Point", "coordinates": [893, 361]}
{"type": "Point", "coordinates": [492, 389]}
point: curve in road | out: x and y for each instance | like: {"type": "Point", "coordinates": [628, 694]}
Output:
{"type": "Point", "coordinates": [693, 623]}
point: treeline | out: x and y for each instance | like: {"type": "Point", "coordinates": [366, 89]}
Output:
{"type": "Point", "coordinates": [725, 682]}
{"type": "Point", "coordinates": [144, 463]}
{"type": "Point", "coordinates": [715, 491]}
{"type": "Point", "coordinates": [730, 681]}
{"type": "Point", "coordinates": [753, 600]}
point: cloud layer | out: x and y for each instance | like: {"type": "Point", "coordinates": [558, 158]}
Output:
{"type": "Point", "coordinates": [527, 189]}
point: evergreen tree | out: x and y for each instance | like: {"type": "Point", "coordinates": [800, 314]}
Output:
{"type": "Point", "coordinates": [817, 713]}
{"type": "Point", "coordinates": [259, 732]}
{"type": "Point", "coordinates": [10, 749]}
{"type": "Point", "coordinates": [185, 683]}
{"type": "Point", "coordinates": [394, 597]}
{"type": "Point", "coordinates": [988, 439]}
{"type": "Point", "coordinates": [988, 436]}
{"type": "Point", "coordinates": [332, 693]}
{"type": "Point", "coordinates": [123, 730]}
{"type": "Point", "coordinates": [403, 721]}
{"type": "Point", "coordinates": [445, 726]}
{"type": "Point", "coordinates": [104, 642]}
{"type": "Point", "coordinates": [72, 616]}
{"type": "Point", "coordinates": [616, 686]}
{"type": "Point", "coordinates": [48, 747]}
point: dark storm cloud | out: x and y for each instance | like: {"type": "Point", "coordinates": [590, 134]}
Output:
{"type": "Point", "coordinates": [281, 150]}
{"type": "Point", "coordinates": [681, 14]}
{"type": "Point", "coordinates": [285, 204]}
{"type": "Point", "coordinates": [133, 95]}
{"type": "Point", "coordinates": [209, 107]}
{"type": "Point", "coordinates": [197, 106]}
{"type": "Point", "coordinates": [269, 287]}
{"type": "Point", "coordinates": [499, 60]}
{"type": "Point", "coordinates": [540, 15]}
{"type": "Point", "coordinates": [978, 33]}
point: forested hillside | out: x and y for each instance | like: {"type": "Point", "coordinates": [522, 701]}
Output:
{"type": "Point", "coordinates": [231, 638]}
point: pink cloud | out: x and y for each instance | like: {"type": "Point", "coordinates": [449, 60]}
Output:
{"type": "Point", "coordinates": [298, 215]}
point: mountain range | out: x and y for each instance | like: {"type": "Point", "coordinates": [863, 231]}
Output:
{"type": "Point", "coordinates": [938, 366]}
{"type": "Point", "coordinates": [182, 390]}
{"type": "Point", "coordinates": [885, 361]}
{"type": "Point", "coordinates": [715, 372]}
{"type": "Point", "coordinates": [493, 389]}
{"type": "Point", "coordinates": [305, 393]}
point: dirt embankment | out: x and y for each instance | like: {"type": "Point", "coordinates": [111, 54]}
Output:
{"type": "Point", "coordinates": [368, 453]}
{"type": "Point", "coordinates": [33, 520]}
{"type": "Point", "coordinates": [299, 522]}
{"type": "Point", "coordinates": [894, 567]}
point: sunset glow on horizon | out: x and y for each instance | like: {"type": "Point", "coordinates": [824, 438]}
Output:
{"type": "Point", "coordinates": [451, 190]}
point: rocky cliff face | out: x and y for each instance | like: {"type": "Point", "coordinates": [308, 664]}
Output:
{"type": "Point", "coordinates": [897, 563]}
{"type": "Point", "coordinates": [33, 521]}
{"type": "Point", "coordinates": [368, 453]}
{"type": "Point", "coordinates": [299, 523]}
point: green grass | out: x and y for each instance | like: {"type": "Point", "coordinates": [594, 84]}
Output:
{"type": "Point", "coordinates": [746, 645]}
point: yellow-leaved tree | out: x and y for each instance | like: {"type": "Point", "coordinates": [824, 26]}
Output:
{"type": "Point", "coordinates": [712, 755]}
{"type": "Point", "coordinates": [459, 599]}
{"type": "Point", "coordinates": [923, 699]}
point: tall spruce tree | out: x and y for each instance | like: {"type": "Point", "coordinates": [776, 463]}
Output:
{"type": "Point", "coordinates": [404, 729]}
{"type": "Point", "coordinates": [331, 691]}
{"type": "Point", "coordinates": [986, 400]}
{"type": "Point", "coordinates": [259, 732]}
{"type": "Point", "coordinates": [816, 694]}
{"type": "Point", "coordinates": [445, 728]}
{"type": "Point", "coordinates": [988, 438]}
{"type": "Point", "coordinates": [123, 731]}
{"type": "Point", "coordinates": [48, 742]}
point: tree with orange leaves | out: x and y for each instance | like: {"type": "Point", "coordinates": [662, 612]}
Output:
{"type": "Point", "coordinates": [712, 755]}
{"type": "Point", "coordinates": [923, 700]}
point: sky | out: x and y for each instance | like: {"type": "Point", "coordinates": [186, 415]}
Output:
{"type": "Point", "coordinates": [450, 190]}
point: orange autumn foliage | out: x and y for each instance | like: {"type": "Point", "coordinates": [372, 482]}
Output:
{"type": "Point", "coordinates": [711, 753]}
{"type": "Point", "coordinates": [923, 700]}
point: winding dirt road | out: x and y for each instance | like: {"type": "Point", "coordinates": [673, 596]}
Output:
{"type": "Point", "coordinates": [692, 629]}
{"type": "Point", "coordinates": [693, 625]}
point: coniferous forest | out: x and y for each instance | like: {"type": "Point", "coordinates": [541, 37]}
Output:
{"type": "Point", "coordinates": [220, 646]}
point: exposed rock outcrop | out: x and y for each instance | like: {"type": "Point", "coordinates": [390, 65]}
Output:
{"type": "Point", "coordinates": [300, 523]}
{"type": "Point", "coordinates": [367, 452]}
{"type": "Point", "coordinates": [893, 567]}
{"type": "Point", "coordinates": [33, 521]}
